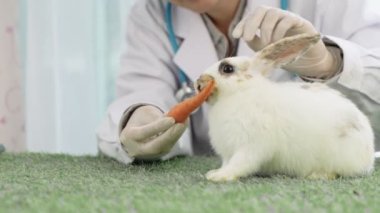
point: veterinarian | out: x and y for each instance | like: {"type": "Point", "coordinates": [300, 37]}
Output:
{"type": "Point", "coordinates": [170, 43]}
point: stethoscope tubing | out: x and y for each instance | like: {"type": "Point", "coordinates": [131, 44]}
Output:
{"type": "Point", "coordinates": [182, 78]}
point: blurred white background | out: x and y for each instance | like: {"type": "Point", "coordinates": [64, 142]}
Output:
{"type": "Point", "coordinates": [12, 116]}
{"type": "Point", "coordinates": [69, 53]}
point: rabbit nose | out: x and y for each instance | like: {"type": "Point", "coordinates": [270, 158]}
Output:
{"type": "Point", "coordinates": [203, 81]}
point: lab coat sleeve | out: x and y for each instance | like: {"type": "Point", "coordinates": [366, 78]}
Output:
{"type": "Point", "coordinates": [355, 27]}
{"type": "Point", "coordinates": [146, 76]}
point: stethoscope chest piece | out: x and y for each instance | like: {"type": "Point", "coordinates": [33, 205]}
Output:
{"type": "Point", "coordinates": [185, 92]}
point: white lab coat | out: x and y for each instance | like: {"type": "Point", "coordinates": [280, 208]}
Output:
{"type": "Point", "coordinates": [148, 66]}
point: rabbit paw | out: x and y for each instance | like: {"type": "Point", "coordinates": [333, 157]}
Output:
{"type": "Point", "coordinates": [322, 176]}
{"type": "Point", "coordinates": [219, 175]}
{"type": "Point", "coordinates": [211, 172]}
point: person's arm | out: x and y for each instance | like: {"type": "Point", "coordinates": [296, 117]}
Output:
{"type": "Point", "coordinates": [357, 34]}
{"type": "Point", "coordinates": [145, 78]}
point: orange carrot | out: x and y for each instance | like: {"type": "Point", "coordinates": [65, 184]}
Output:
{"type": "Point", "coordinates": [182, 111]}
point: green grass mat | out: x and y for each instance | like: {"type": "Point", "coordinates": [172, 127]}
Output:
{"type": "Point", "coordinates": [60, 183]}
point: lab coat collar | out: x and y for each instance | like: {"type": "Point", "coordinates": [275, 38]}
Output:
{"type": "Point", "coordinates": [197, 52]}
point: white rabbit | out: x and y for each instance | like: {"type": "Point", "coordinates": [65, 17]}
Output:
{"type": "Point", "coordinates": [298, 129]}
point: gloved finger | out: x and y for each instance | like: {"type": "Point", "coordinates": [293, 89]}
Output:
{"type": "Point", "coordinates": [256, 44]}
{"type": "Point", "coordinates": [164, 142]}
{"type": "Point", "coordinates": [283, 26]}
{"type": "Point", "coordinates": [144, 115]}
{"type": "Point", "coordinates": [253, 23]}
{"type": "Point", "coordinates": [269, 23]}
{"type": "Point", "coordinates": [238, 31]}
{"type": "Point", "coordinates": [141, 133]}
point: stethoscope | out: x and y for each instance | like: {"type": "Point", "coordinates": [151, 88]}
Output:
{"type": "Point", "coordinates": [186, 88]}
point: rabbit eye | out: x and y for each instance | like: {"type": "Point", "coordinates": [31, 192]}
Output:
{"type": "Point", "coordinates": [226, 68]}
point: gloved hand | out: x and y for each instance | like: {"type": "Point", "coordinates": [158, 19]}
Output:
{"type": "Point", "coordinates": [267, 25]}
{"type": "Point", "coordinates": [149, 134]}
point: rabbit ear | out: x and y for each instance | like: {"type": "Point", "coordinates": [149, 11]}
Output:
{"type": "Point", "coordinates": [287, 50]}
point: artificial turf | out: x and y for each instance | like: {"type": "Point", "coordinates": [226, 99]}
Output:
{"type": "Point", "coordinates": [61, 183]}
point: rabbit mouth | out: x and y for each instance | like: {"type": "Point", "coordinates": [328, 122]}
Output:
{"type": "Point", "coordinates": [199, 87]}
{"type": "Point", "coordinates": [202, 82]}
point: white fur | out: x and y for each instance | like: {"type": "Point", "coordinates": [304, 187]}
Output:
{"type": "Point", "coordinates": [297, 129]}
